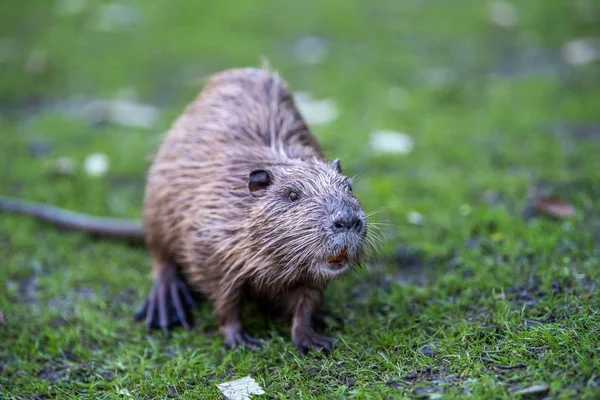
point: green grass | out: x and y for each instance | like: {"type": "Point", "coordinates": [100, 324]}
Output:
{"type": "Point", "coordinates": [494, 303]}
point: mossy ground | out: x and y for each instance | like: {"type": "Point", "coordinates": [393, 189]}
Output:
{"type": "Point", "coordinates": [477, 301]}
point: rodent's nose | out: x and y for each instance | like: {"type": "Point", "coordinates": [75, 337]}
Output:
{"type": "Point", "coordinates": [347, 224]}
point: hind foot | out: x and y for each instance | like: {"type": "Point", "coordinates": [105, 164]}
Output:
{"type": "Point", "coordinates": [168, 304]}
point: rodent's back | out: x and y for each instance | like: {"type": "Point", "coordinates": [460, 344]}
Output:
{"type": "Point", "coordinates": [243, 119]}
{"type": "Point", "coordinates": [242, 108]}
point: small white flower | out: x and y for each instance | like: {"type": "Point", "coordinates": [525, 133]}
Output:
{"type": "Point", "coordinates": [96, 164]}
{"type": "Point", "coordinates": [414, 218]}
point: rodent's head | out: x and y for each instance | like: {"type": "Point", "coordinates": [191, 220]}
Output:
{"type": "Point", "coordinates": [308, 219]}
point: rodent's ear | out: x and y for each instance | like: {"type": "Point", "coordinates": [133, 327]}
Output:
{"type": "Point", "coordinates": [337, 165]}
{"type": "Point", "coordinates": [259, 179]}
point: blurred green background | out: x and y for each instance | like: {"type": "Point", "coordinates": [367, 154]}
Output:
{"type": "Point", "coordinates": [482, 100]}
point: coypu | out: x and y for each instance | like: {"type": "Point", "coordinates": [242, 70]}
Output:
{"type": "Point", "coordinates": [240, 203]}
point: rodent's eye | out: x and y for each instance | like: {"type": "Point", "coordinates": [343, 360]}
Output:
{"type": "Point", "coordinates": [293, 196]}
{"type": "Point", "coordinates": [350, 189]}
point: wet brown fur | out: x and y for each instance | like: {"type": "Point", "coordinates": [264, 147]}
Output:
{"type": "Point", "coordinates": [200, 217]}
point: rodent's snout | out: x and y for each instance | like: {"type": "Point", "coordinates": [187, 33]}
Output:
{"type": "Point", "coordinates": [347, 219]}
{"type": "Point", "coordinates": [347, 223]}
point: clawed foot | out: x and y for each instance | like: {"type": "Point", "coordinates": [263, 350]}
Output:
{"type": "Point", "coordinates": [168, 303]}
{"type": "Point", "coordinates": [235, 336]}
{"type": "Point", "coordinates": [311, 340]}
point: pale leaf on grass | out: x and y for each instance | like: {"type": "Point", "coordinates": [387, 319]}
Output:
{"type": "Point", "coordinates": [582, 51]}
{"type": "Point", "coordinates": [316, 112]}
{"type": "Point", "coordinates": [387, 141]}
{"type": "Point", "coordinates": [534, 392]}
{"type": "Point", "coordinates": [122, 112]}
{"type": "Point", "coordinates": [503, 14]}
{"type": "Point", "coordinates": [123, 392]}
{"type": "Point", "coordinates": [240, 389]}
{"type": "Point", "coordinates": [135, 115]}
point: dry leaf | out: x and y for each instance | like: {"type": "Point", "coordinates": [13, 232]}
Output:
{"type": "Point", "coordinates": [240, 389]}
{"type": "Point", "coordinates": [131, 114]}
{"type": "Point", "coordinates": [534, 392]}
{"type": "Point", "coordinates": [554, 208]}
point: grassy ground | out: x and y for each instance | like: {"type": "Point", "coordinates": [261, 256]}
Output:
{"type": "Point", "coordinates": [473, 301]}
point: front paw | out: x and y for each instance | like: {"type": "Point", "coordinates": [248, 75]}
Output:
{"type": "Point", "coordinates": [306, 341]}
{"type": "Point", "coordinates": [235, 336]}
